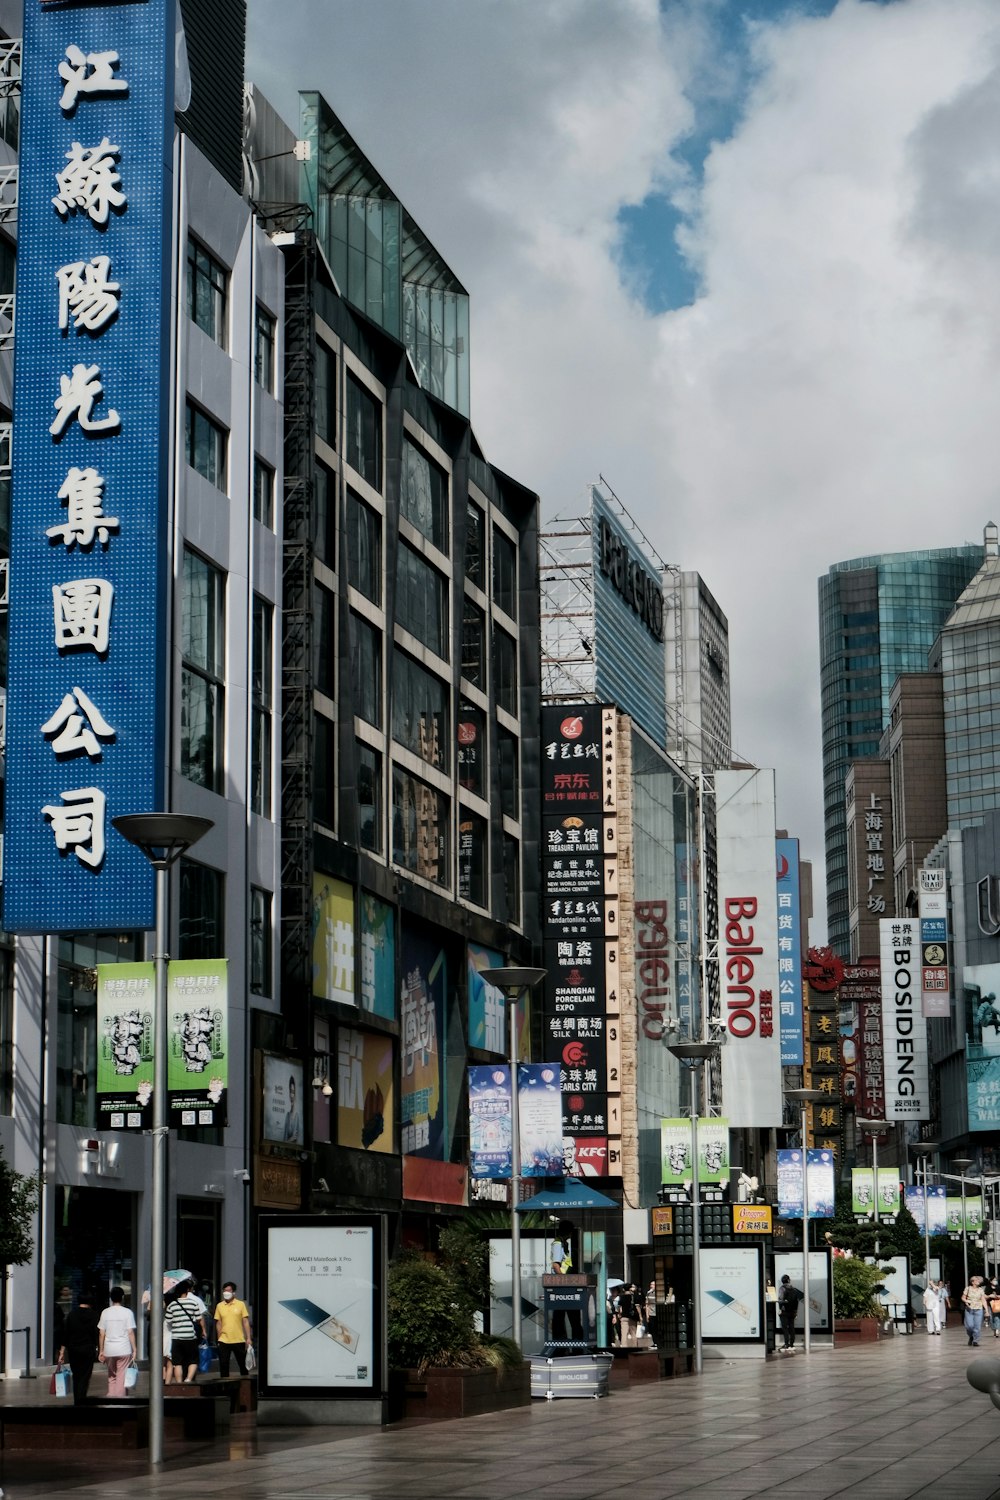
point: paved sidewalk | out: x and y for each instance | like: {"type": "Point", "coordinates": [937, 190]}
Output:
{"type": "Point", "coordinates": [891, 1421]}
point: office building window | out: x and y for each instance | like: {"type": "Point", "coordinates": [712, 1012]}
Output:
{"type": "Point", "coordinates": [370, 835]}
{"type": "Point", "coordinates": [366, 670]}
{"type": "Point", "coordinates": [203, 652]}
{"type": "Point", "coordinates": [326, 394]}
{"type": "Point", "coordinates": [261, 729]}
{"type": "Point", "coordinates": [263, 493]}
{"type": "Point", "coordinates": [475, 545]}
{"type": "Point", "coordinates": [504, 572]}
{"type": "Point", "coordinates": [261, 945]}
{"type": "Point", "coordinates": [473, 858]}
{"type": "Point", "coordinates": [471, 738]}
{"type": "Point", "coordinates": [420, 816]}
{"type": "Point", "coordinates": [324, 768]}
{"type": "Point", "coordinates": [505, 670]}
{"type": "Point", "coordinates": [202, 911]}
{"type": "Point", "coordinates": [363, 445]}
{"type": "Point", "coordinates": [263, 349]}
{"type": "Point", "coordinates": [10, 119]}
{"type": "Point", "coordinates": [207, 292]}
{"type": "Point", "coordinates": [325, 642]}
{"type": "Point", "coordinates": [364, 548]}
{"type": "Point", "coordinates": [420, 716]}
{"type": "Point", "coordinates": [326, 516]}
{"type": "Point", "coordinates": [510, 789]}
{"type": "Point", "coordinates": [473, 643]}
{"type": "Point", "coordinates": [206, 445]}
{"type": "Point", "coordinates": [424, 497]}
{"type": "Point", "coordinates": [6, 1030]}
{"type": "Point", "coordinates": [422, 601]}
{"type": "Point", "coordinates": [512, 877]}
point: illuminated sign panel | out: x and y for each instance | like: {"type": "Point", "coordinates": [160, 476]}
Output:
{"type": "Point", "coordinates": [87, 607]}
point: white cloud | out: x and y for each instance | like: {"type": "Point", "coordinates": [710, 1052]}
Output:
{"type": "Point", "coordinates": [833, 391]}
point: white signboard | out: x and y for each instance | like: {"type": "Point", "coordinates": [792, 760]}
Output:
{"type": "Point", "coordinates": [748, 948]}
{"type": "Point", "coordinates": [321, 1330]}
{"type": "Point", "coordinates": [730, 1292]}
{"type": "Point", "coordinates": [904, 1029]}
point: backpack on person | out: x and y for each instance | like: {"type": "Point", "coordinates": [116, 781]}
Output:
{"type": "Point", "coordinates": [789, 1298]}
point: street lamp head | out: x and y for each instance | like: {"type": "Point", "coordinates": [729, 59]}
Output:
{"type": "Point", "coordinates": [514, 981]}
{"type": "Point", "coordinates": [806, 1096]}
{"type": "Point", "coordinates": [693, 1052]}
{"type": "Point", "coordinates": [923, 1148]}
{"type": "Point", "coordinates": [162, 837]}
{"type": "Point", "coordinates": [961, 1162]}
{"type": "Point", "coordinates": [874, 1127]}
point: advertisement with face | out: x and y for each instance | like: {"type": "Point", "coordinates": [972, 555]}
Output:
{"type": "Point", "coordinates": [281, 1115]}
{"type": "Point", "coordinates": [323, 1328]}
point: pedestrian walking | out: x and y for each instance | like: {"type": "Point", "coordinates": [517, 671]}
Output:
{"type": "Point", "coordinates": [187, 1328]}
{"type": "Point", "coordinates": [80, 1341]}
{"type": "Point", "coordinates": [974, 1302]}
{"type": "Point", "coordinates": [932, 1307]}
{"type": "Point", "coordinates": [232, 1326]}
{"type": "Point", "coordinates": [789, 1298]}
{"type": "Point", "coordinates": [116, 1341]}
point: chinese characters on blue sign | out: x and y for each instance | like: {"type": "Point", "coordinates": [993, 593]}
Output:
{"type": "Point", "coordinates": [86, 682]}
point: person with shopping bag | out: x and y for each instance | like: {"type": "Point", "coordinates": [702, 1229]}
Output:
{"type": "Point", "coordinates": [116, 1334]}
{"type": "Point", "coordinates": [79, 1345]}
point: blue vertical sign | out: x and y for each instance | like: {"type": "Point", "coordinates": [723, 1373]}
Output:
{"type": "Point", "coordinates": [86, 681]}
{"type": "Point", "coordinates": [789, 952]}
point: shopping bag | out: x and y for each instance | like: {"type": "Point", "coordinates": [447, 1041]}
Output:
{"type": "Point", "coordinates": [204, 1359]}
{"type": "Point", "coordinates": [131, 1376]}
{"type": "Point", "coordinates": [63, 1382]}
{"type": "Point", "coordinates": [251, 1359]}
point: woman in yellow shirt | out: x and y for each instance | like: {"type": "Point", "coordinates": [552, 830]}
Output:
{"type": "Point", "coordinates": [232, 1326]}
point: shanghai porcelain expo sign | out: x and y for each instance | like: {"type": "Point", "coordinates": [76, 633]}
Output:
{"type": "Point", "coordinates": [86, 680]}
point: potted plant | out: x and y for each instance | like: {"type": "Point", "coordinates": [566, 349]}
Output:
{"type": "Point", "coordinates": [440, 1365]}
{"type": "Point", "coordinates": [857, 1313]}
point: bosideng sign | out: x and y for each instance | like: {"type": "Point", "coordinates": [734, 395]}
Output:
{"type": "Point", "coordinates": [748, 947]}
{"type": "Point", "coordinates": [86, 679]}
{"type": "Point", "coordinates": [904, 1029]}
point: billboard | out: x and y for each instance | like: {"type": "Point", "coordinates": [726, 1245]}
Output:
{"type": "Point", "coordinates": [789, 953]}
{"type": "Point", "coordinates": [490, 1125]}
{"type": "Point", "coordinates": [126, 1002]}
{"type": "Point", "coordinates": [820, 1166]}
{"type": "Point", "coordinates": [378, 957]}
{"type": "Point", "coordinates": [713, 1152]}
{"type": "Point", "coordinates": [732, 1292]}
{"type": "Point", "coordinates": [333, 940]}
{"type": "Point", "coordinates": [629, 651]}
{"type": "Point", "coordinates": [748, 947]}
{"type": "Point", "coordinates": [281, 1104]}
{"type": "Point", "coordinates": [423, 999]}
{"type": "Point", "coordinates": [980, 988]}
{"type": "Point", "coordinates": [198, 1060]}
{"type": "Point", "coordinates": [487, 1007]}
{"type": "Point", "coordinates": [863, 1192]}
{"type": "Point", "coordinates": [86, 675]}
{"type": "Point", "coordinates": [934, 969]}
{"type": "Point", "coordinates": [904, 1029]}
{"type": "Point", "coordinates": [364, 1090]}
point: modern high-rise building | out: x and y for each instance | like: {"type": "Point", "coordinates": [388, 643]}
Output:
{"type": "Point", "coordinates": [878, 617]}
{"type": "Point", "coordinates": [699, 709]}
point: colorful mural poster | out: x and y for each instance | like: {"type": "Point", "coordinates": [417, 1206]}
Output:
{"type": "Point", "coordinates": [364, 1090]}
{"type": "Point", "coordinates": [197, 1023]}
{"type": "Point", "coordinates": [378, 958]}
{"type": "Point", "coordinates": [490, 1121]}
{"type": "Point", "coordinates": [790, 1184]}
{"type": "Point", "coordinates": [333, 940]}
{"type": "Point", "coordinates": [125, 1046]}
{"type": "Point", "coordinates": [423, 997]}
{"type": "Point", "coordinates": [487, 1006]}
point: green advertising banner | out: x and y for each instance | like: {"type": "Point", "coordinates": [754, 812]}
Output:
{"type": "Point", "coordinates": [953, 1212]}
{"type": "Point", "coordinates": [713, 1152]}
{"type": "Point", "coordinates": [974, 1215]}
{"type": "Point", "coordinates": [125, 1034]}
{"type": "Point", "coordinates": [888, 1190]}
{"type": "Point", "coordinates": [862, 1192]}
{"type": "Point", "coordinates": [197, 1023]}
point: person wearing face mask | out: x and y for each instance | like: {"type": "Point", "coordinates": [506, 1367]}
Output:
{"type": "Point", "coordinates": [232, 1326]}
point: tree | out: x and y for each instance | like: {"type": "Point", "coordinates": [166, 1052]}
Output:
{"type": "Point", "coordinates": [18, 1204]}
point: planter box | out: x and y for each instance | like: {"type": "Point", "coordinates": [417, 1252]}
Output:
{"type": "Point", "coordinates": [856, 1330]}
{"type": "Point", "coordinates": [442, 1394]}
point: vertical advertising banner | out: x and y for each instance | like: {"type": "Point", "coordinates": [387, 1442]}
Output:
{"type": "Point", "coordinates": [490, 1131]}
{"type": "Point", "coordinates": [539, 1099]}
{"type": "Point", "coordinates": [820, 1167]}
{"type": "Point", "coordinates": [904, 1029]}
{"type": "Point", "coordinates": [748, 947]}
{"type": "Point", "coordinates": [422, 1015]}
{"type": "Point", "coordinates": [378, 958]}
{"type": "Point", "coordinates": [933, 912]}
{"type": "Point", "coordinates": [713, 1152]}
{"type": "Point", "coordinates": [126, 1002]}
{"type": "Point", "coordinates": [364, 1090]}
{"type": "Point", "coordinates": [86, 673]}
{"type": "Point", "coordinates": [980, 989]}
{"type": "Point", "coordinates": [333, 940]}
{"type": "Point", "coordinates": [789, 953]}
{"type": "Point", "coordinates": [197, 1020]}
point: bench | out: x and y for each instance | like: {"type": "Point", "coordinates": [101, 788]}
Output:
{"type": "Point", "coordinates": [100, 1424]}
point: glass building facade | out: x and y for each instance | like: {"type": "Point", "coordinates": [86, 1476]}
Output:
{"type": "Point", "coordinates": [969, 658]}
{"type": "Point", "coordinates": [878, 616]}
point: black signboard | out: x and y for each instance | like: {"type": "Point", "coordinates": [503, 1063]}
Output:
{"type": "Point", "coordinates": [571, 757]}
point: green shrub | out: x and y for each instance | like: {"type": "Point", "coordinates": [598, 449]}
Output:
{"type": "Point", "coordinates": [430, 1318]}
{"type": "Point", "coordinates": [855, 1283]}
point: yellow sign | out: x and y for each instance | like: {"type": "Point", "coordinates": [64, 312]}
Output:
{"type": "Point", "coordinates": [663, 1220]}
{"type": "Point", "coordinates": [751, 1218]}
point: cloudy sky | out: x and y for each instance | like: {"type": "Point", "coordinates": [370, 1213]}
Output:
{"type": "Point", "coordinates": [738, 256]}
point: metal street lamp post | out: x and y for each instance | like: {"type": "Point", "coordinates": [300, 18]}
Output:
{"type": "Point", "coordinates": [695, 1056]}
{"type": "Point", "coordinates": [805, 1097]}
{"type": "Point", "coordinates": [923, 1150]}
{"type": "Point", "coordinates": [513, 983]}
{"type": "Point", "coordinates": [163, 838]}
{"type": "Point", "coordinates": [963, 1163]}
{"type": "Point", "coordinates": [874, 1128]}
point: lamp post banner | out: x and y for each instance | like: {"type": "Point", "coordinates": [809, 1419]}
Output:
{"type": "Point", "coordinates": [125, 1046]}
{"type": "Point", "coordinates": [748, 947]}
{"type": "Point", "coordinates": [904, 1027]}
{"type": "Point", "coordinates": [198, 1026]}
